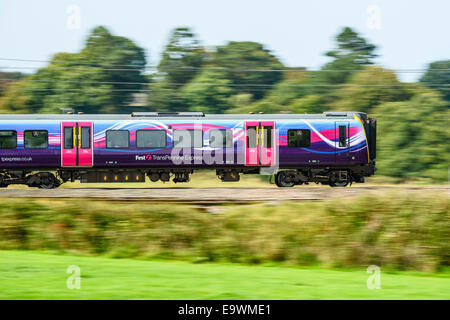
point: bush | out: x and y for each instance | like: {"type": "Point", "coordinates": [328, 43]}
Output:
{"type": "Point", "coordinates": [396, 231]}
{"type": "Point", "coordinates": [412, 140]}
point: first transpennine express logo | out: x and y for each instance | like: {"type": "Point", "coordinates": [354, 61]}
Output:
{"type": "Point", "coordinates": [146, 157]}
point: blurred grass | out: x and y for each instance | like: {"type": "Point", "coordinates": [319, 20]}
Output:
{"type": "Point", "coordinates": [29, 275]}
{"type": "Point", "coordinates": [393, 231]}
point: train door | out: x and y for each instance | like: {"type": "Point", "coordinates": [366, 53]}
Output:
{"type": "Point", "coordinates": [267, 146]}
{"type": "Point", "coordinates": [77, 144]}
{"type": "Point", "coordinates": [342, 141]}
{"type": "Point", "coordinates": [260, 143]}
{"type": "Point", "coordinates": [251, 143]}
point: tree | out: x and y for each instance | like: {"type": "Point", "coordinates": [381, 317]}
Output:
{"type": "Point", "coordinates": [209, 92]}
{"type": "Point", "coordinates": [115, 61]}
{"type": "Point", "coordinates": [249, 66]}
{"type": "Point", "coordinates": [352, 52]}
{"type": "Point", "coordinates": [180, 62]}
{"type": "Point", "coordinates": [287, 96]}
{"type": "Point", "coordinates": [100, 78]}
{"type": "Point", "coordinates": [182, 57]}
{"type": "Point", "coordinates": [412, 137]}
{"type": "Point", "coordinates": [16, 99]}
{"type": "Point", "coordinates": [164, 97]}
{"type": "Point", "coordinates": [366, 89]}
{"type": "Point", "coordinates": [437, 78]}
{"type": "Point", "coordinates": [291, 87]}
{"type": "Point", "coordinates": [308, 104]}
{"type": "Point", "coordinates": [8, 77]}
{"type": "Point", "coordinates": [266, 105]}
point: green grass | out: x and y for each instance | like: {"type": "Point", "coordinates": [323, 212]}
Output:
{"type": "Point", "coordinates": [31, 275]}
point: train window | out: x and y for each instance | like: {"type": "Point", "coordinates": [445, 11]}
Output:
{"type": "Point", "coordinates": [85, 138]}
{"type": "Point", "coordinates": [251, 137]}
{"type": "Point", "coordinates": [342, 136]}
{"type": "Point", "coordinates": [187, 138]}
{"type": "Point", "coordinates": [116, 139]}
{"type": "Point", "coordinates": [299, 138]}
{"type": "Point", "coordinates": [8, 139]}
{"type": "Point", "coordinates": [68, 138]}
{"type": "Point", "coordinates": [35, 139]}
{"type": "Point", "coordinates": [267, 132]}
{"type": "Point", "coordinates": [221, 138]}
{"type": "Point", "coordinates": [150, 138]}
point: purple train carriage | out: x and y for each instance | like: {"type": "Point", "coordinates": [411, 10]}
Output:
{"type": "Point", "coordinates": [333, 148]}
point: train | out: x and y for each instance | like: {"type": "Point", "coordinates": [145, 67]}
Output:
{"type": "Point", "coordinates": [44, 151]}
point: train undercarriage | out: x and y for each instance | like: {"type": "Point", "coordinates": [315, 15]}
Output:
{"type": "Point", "coordinates": [48, 179]}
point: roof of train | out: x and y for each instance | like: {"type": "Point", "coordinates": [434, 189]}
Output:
{"type": "Point", "coordinates": [178, 116]}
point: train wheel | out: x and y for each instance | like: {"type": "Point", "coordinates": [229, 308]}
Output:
{"type": "Point", "coordinates": [48, 186]}
{"type": "Point", "coordinates": [50, 183]}
{"type": "Point", "coordinates": [281, 180]}
{"type": "Point", "coordinates": [339, 184]}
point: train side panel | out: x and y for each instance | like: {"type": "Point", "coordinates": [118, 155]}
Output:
{"type": "Point", "coordinates": [166, 156]}
{"type": "Point", "coordinates": [324, 146]}
{"type": "Point", "coordinates": [21, 157]}
{"type": "Point", "coordinates": [323, 149]}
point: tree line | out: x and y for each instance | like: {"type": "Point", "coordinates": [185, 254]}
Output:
{"type": "Point", "coordinates": [111, 75]}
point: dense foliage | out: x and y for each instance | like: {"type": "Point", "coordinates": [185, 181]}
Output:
{"type": "Point", "coordinates": [100, 78]}
{"type": "Point", "coordinates": [110, 72]}
{"type": "Point", "coordinates": [438, 77]}
{"type": "Point", "coordinates": [413, 137]}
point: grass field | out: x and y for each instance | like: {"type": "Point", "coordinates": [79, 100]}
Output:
{"type": "Point", "coordinates": [31, 275]}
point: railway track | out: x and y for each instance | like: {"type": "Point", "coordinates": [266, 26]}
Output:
{"type": "Point", "coordinates": [218, 195]}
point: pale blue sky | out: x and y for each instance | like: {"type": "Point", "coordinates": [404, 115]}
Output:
{"type": "Point", "coordinates": [411, 34]}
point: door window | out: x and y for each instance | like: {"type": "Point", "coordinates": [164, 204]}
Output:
{"type": "Point", "coordinates": [252, 138]}
{"type": "Point", "coordinates": [267, 132]}
{"type": "Point", "coordinates": [85, 138]}
{"type": "Point", "coordinates": [68, 138]}
{"type": "Point", "coordinates": [342, 136]}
